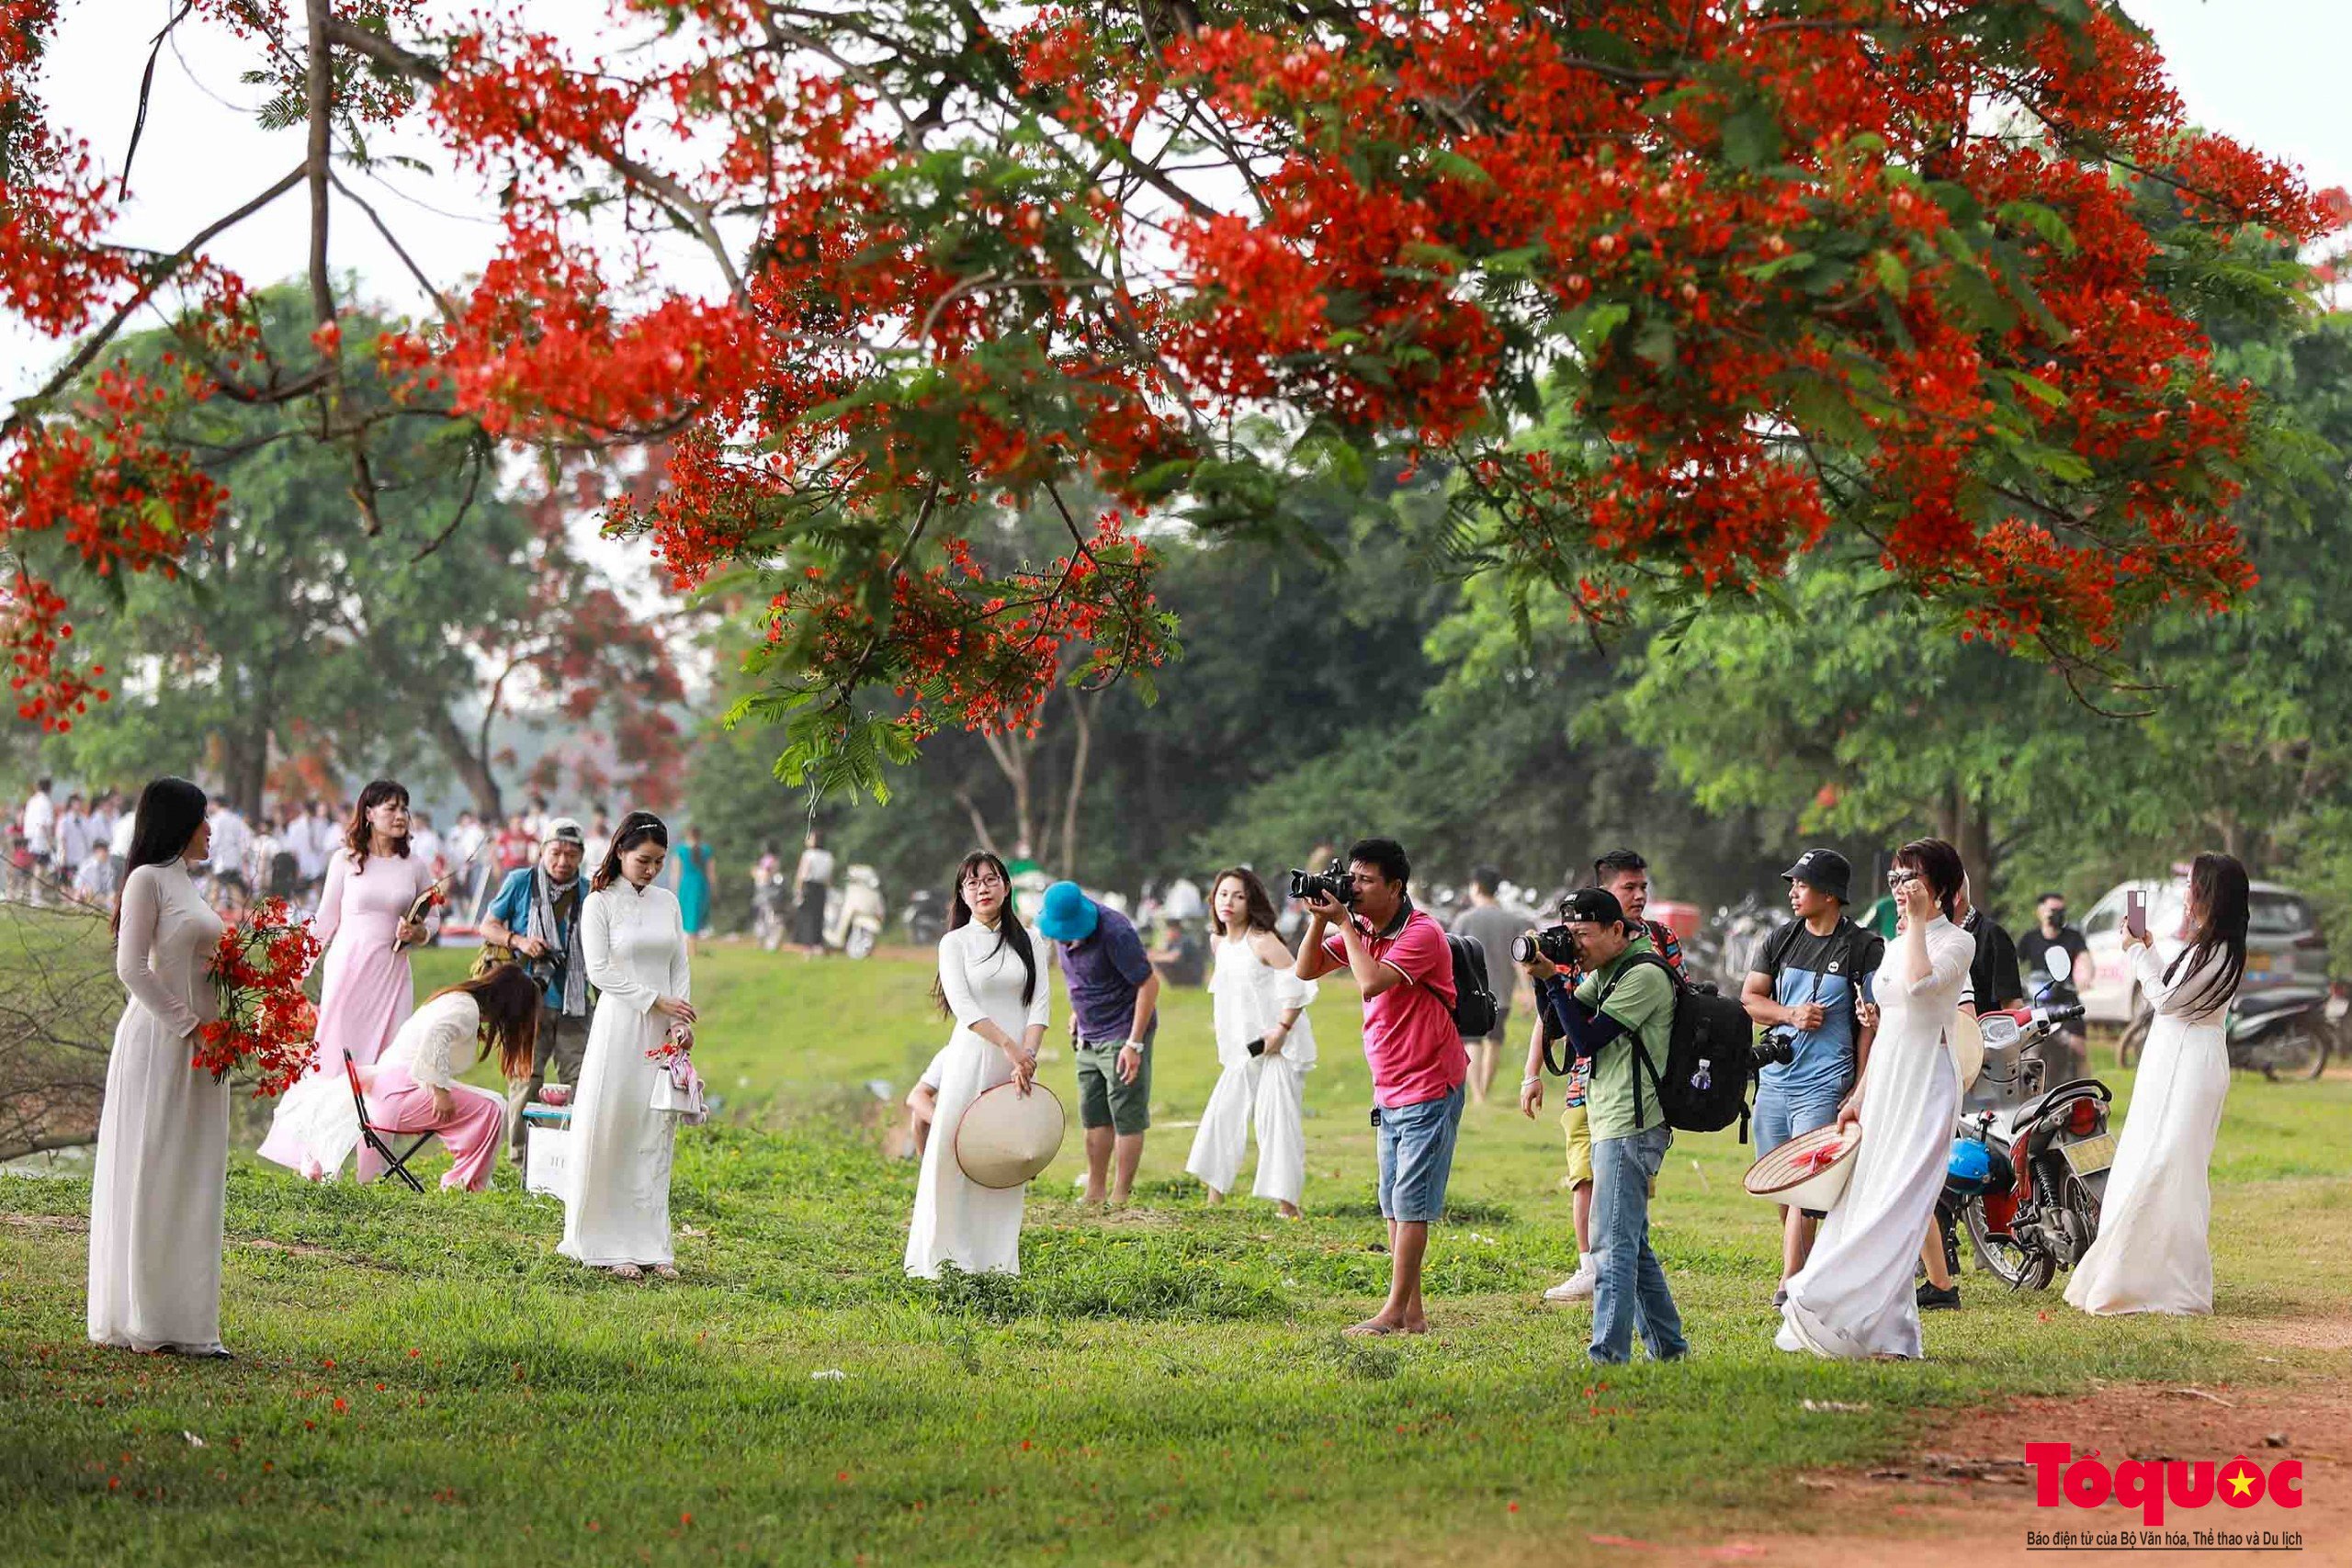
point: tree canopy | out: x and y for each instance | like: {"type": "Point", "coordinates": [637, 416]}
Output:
{"type": "Point", "coordinates": [1933, 281]}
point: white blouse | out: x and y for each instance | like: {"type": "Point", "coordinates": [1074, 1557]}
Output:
{"type": "Point", "coordinates": [2189, 995]}
{"type": "Point", "coordinates": [981, 978]}
{"type": "Point", "coordinates": [633, 942]}
{"type": "Point", "coordinates": [430, 1038]}
{"type": "Point", "coordinates": [163, 946]}
{"type": "Point", "coordinates": [1250, 997]}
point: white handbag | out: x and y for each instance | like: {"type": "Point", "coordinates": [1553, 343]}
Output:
{"type": "Point", "coordinates": [677, 1089]}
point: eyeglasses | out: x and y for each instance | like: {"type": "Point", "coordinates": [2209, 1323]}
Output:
{"type": "Point", "coordinates": [981, 879]}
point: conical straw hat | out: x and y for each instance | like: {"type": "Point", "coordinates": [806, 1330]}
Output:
{"type": "Point", "coordinates": [1809, 1171]}
{"type": "Point", "coordinates": [1007, 1137]}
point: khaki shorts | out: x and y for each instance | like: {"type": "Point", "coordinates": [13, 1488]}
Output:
{"type": "Point", "coordinates": [1103, 1101]}
{"type": "Point", "coordinates": [1579, 1130]}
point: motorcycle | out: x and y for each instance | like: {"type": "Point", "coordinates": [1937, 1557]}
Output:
{"type": "Point", "coordinates": [922, 917]}
{"type": "Point", "coordinates": [2285, 1033]}
{"type": "Point", "coordinates": [768, 912]}
{"type": "Point", "coordinates": [2027, 1171]}
{"type": "Point", "coordinates": [854, 912]}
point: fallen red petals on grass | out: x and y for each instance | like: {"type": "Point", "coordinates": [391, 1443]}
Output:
{"type": "Point", "coordinates": [1514, 1507]}
{"type": "Point", "coordinates": [340, 1406]}
{"type": "Point", "coordinates": [685, 1518]}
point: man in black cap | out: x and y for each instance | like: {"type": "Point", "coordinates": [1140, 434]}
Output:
{"type": "Point", "coordinates": [1811, 989]}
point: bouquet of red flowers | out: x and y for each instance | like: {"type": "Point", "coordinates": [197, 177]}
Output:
{"type": "Point", "coordinates": [266, 1027]}
{"type": "Point", "coordinates": [676, 1042]}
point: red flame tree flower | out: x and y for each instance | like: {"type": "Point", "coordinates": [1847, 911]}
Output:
{"type": "Point", "coordinates": [1668, 291]}
{"type": "Point", "coordinates": [266, 1029]}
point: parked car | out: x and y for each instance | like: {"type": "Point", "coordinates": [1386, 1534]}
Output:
{"type": "Point", "coordinates": [2283, 945]}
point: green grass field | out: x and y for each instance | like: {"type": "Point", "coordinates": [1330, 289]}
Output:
{"type": "Point", "coordinates": [424, 1380]}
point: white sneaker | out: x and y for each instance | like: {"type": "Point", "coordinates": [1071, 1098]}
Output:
{"type": "Point", "coordinates": [1577, 1287]}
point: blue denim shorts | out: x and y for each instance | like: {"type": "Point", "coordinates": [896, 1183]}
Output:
{"type": "Point", "coordinates": [1781, 1115]}
{"type": "Point", "coordinates": [1416, 1156]}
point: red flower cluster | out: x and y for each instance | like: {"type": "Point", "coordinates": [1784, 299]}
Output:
{"type": "Point", "coordinates": [1675, 294]}
{"type": "Point", "coordinates": [267, 1028]}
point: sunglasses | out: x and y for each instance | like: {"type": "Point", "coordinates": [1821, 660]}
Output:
{"type": "Point", "coordinates": [1899, 880]}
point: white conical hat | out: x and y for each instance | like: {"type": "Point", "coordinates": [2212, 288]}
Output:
{"type": "Point", "coordinates": [1796, 1174]}
{"type": "Point", "coordinates": [1006, 1137]}
{"type": "Point", "coordinates": [1967, 1038]}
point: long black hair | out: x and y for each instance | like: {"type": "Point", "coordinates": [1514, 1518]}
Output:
{"type": "Point", "coordinates": [1009, 931]}
{"type": "Point", "coordinates": [637, 827]}
{"type": "Point", "coordinates": [357, 836]}
{"type": "Point", "coordinates": [2218, 889]}
{"type": "Point", "coordinates": [170, 811]}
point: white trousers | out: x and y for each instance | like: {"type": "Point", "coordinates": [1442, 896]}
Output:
{"type": "Point", "coordinates": [1279, 1093]}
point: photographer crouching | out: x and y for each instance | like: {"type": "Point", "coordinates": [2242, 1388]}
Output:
{"type": "Point", "coordinates": [1626, 995]}
{"type": "Point", "coordinates": [1400, 961]}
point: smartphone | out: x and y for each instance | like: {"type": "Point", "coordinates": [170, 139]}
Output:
{"type": "Point", "coordinates": [2135, 912]}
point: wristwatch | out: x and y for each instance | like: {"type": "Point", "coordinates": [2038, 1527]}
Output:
{"type": "Point", "coordinates": [1135, 1045]}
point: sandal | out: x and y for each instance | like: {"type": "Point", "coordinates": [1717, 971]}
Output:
{"type": "Point", "coordinates": [666, 1272]}
{"type": "Point", "coordinates": [626, 1271]}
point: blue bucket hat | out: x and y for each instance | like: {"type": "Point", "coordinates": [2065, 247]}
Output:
{"type": "Point", "coordinates": [1068, 914]}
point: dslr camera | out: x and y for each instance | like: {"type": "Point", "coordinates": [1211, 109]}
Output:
{"type": "Point", "coordinates": [1557, 944]}
{"type": "Point", "coordinates": [1779, 1046]}
{"type": "Point", "coordinates": [1334, 883]}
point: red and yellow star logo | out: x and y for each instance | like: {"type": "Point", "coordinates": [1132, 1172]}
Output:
{"type": "Point", "coordinates": [2240, 1478]}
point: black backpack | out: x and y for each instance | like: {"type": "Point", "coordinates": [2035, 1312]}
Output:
{"type": "Point", "coordinates": [1475, 1013]}
{"type": "Point", "coordinates": [1710, 1058]}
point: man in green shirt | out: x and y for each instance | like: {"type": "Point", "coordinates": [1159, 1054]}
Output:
{"type": "Point", "coordinates": [1626, 1004]}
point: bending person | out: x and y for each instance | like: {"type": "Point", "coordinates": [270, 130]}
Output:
{"type": "Point", "coordinates": [1264, 1042]}
{"type": "Point", "coordinates": [413, 1089]}
{"type": "Point", "coordinates": [2152, 1254]}
{"type": "Point", "coordinates": [1853, 1297]}
{"type": "Point", "coordinates": [365, 991]}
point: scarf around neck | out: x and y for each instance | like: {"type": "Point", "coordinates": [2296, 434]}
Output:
{"type": "Point", "coordinates": [564, 937]}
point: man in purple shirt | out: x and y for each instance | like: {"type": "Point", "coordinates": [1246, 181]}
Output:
{"type": "Point", "coordinates": [1114, 1010]}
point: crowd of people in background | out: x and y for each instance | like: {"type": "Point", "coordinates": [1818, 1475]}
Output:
{"type": "Point", "coordinates": [1867, 1023]}
{"type": "Point", "coordinates": [586, 977]}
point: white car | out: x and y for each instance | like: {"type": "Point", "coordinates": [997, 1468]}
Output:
{"type": "Point", "coordinates": [2283, 945]}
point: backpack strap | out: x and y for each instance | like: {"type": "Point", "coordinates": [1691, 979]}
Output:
{"type": "Point", "coordinates": [1642, 1062]}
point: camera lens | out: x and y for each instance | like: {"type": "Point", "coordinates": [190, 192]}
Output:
{"type": "Point", "coordinates": [1523, 948]}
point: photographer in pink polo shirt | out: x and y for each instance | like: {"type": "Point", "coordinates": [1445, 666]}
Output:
{"type": "Point", "coordinates": [1399, 960]}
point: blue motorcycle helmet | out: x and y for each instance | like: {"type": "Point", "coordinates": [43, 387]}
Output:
{"type": "Point", "coordinates": [1969, 1166]}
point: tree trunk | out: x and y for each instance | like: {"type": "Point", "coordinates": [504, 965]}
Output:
{"type": "Point", "coordinates": [1081, 707]}
{"type": "Point", "coordinates": [1013, 754]}
{"type": "Point", "coordinates": [471, 765]}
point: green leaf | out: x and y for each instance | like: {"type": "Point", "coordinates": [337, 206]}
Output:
{"type": "Point", "coordinates": [1893, 275]}
{"type": "Point", "coordinates": [1653, 341]}
{"type": "Point", "coordinates": [1764, 272]}
{"type": "Point", "coordinates": [1752, 137]}
{"type": "Point", "coordinates": [2043, 221]}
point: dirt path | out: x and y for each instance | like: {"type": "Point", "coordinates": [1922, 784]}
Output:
{"type": "Point", "coordinates": [1966, 1499]}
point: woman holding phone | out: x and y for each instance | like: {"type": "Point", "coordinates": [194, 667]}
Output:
{"type": "Point", "coordinates": [1264, 1044]}
{"type": "Point", "coordinates": [1853, 1299]}
{"type": "Point", "coordinates": [2152, 1254]}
